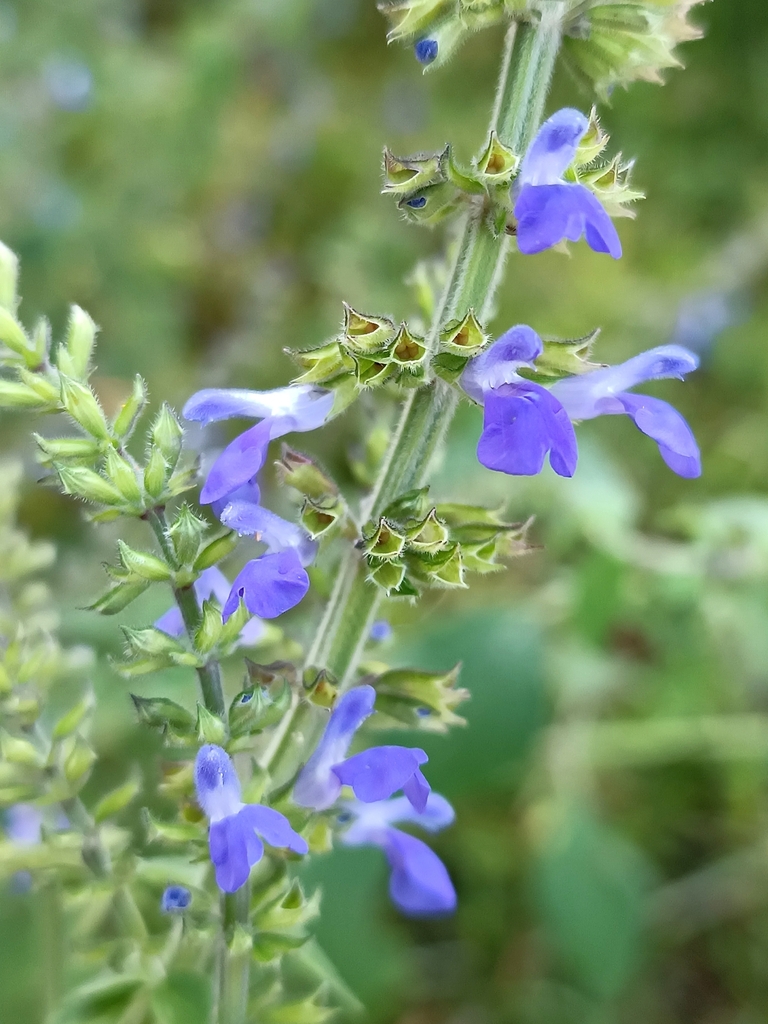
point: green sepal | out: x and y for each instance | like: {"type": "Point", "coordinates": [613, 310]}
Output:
{"type": "Point", "coordinates": [618, 43]}
{"type": "Point", "coordinates": [406, 694]}
{"type": "Point", "coordinates": [304, 475]}
{"type": "Point", "coordinates": [43, 386]}
{"type": "Point", "coordinates": [365, 334]}
{"type": "Point", "coordinates": [162, 713]}
{"type": "Point", "coordinates": [121, 473]}
{"type": "Point", "coordinates": [465, 180]}
{"type": "Point", "coordinates": [143, 565]}
{"type": "Point", "coordinates": [209, 727]}
{"type": "Point", "coordinates": [441, 200]}
{"type": "Point", "coordinates": [174, 833]}
{"type": "Point", "coordinates": [73, 719]}
{"type": "Point", "coordinates": [309, 1010]}
{"type": "Point", "coordinates": [288, 911]}
{"type": "Point", "coordinates": [563, 358]}
{"type": "Point", "coordinates": [403, 175]}
{"type": "Point", "coordinates": [186, 533]}
{"type": "Point", "coordinates": [84, 483]}
{"type": "Point", "coordinates": [408, 18]}
{"type": "Point", "coordinates": [216, 550]}
{"type": "Point", "coordinates": [449, 366]}
{"type": "Point", "coordinates": [117, 598]}
{"type": "Point", "coordinates": [593, 142]}
{"type": "Point", "coordinates": [611, 185]}
{"type": "Point", "coordinates": [9, 279]}
{"type": "Point", "coordinates": [388, 576]}
{"type": "Point", "coordinates": [321, 687]}
{"type": "Point", "coordinates": [322, 364]}
{"type": "Point", "coordinates": [17, 750]}
{"type": "Point", "coordinates": [428, 535]}
{"type": "Point", "coordinates": [182, 480]}
{"type": "Point", "coordinates": [116, 800]}
{"type": "Point", "coordinates": [79, 402]}
{"type": "Point", "coordinates": [208, 633]}
{"type": "Point", "coordinates": [17, 395]}
{"type": "Point", "coordinates": [155, 473]}
{"type": "Point", "coordinates": [80, 341]}
{"type": "Point", "coordinates": [66, 449]}
{"type": "Point", "coordinates": [166, 433]}
{"type": "Point", "coordinates": [157, 644]}
{"type": "Point", "coordinates": [497, 164]}
{"type": "Point", "coordinates": [232, 628]}
{"type": "Point", "coordinates": [410, 505]}
{"type": "Point", "coordinates": [463, 337]}
{"type": "Point", "coordinates": [131, 409]}
{"type": "Point", "coordinates": [441, 568]}
{"type": "Point", "coordinates": [371, 373]}
{"type": "Point", "coordinates": [319, 517]}
{"type": "Point", "coordinates": [78, 761]}
{"type": "Point", "coordinates": [408, 350]}
{"type": "Point", "coordinates": [258, 707]}
{"type": "Point", "coordinates": [382, 540]}
{"type": "Point", "coordinates": [269, 946]}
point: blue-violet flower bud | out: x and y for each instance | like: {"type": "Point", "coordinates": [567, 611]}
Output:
{"type": "Point", "coordinates": [175, 899]}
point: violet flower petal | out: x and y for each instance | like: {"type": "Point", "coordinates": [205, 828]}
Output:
{"type": "Point", "coordinates": [234, 848]}
{"type": "Point", "coordinates": [238, 463]}
{"type": "Point", "coordinates": [278, 534]}
{"type": "Point", "coordinates": [554, 148]}
{"type": "Point", "coordinates": [216, 783]}
{"type": "Point", "coordinates": [370, 819]}
{"type": "Point", "coordinates": [306, 405]}
{"type": "Point", "coordinates": [269, 585]}
{"type": "Point", "coordinates": [317, 785]}
{"type": "Point", "coordinates": [660, 421]}
{"type": "Point", "coordinates": [581, 395]}
{"type": "Point", "coordinates": [273, 827]}
{"type": "Point", "coordinates": [420, 885]}
{"type": "Point", "coordinates": [521, 423]}
{"type": "Point", "coordinates": [548, 214]}
{"type": "Point", "coordinates": [375, 774]}
{"type": "Point", "coordinates": [519, 346]}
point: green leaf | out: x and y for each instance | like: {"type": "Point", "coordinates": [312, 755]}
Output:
{"type": "Point", "coordinates": [591, 889]}
{"type": "Point", "coordinates": [116, 800]}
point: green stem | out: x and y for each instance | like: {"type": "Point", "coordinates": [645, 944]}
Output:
{"type": "Point", "coordinates": [208, 674]}
{"type": "Point", "coordinates": [526, 72]}
{"type": "Point", "coordinates": [236, 974]}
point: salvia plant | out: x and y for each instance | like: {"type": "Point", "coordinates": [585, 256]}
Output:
{"type": "Point", "coordinates": [288, 766]}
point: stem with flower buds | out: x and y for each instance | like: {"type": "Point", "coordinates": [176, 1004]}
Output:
{"type": "Point", "coordinates": [526, 71]}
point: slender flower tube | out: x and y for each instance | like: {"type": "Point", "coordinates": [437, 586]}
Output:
{"type": "Point", "coordinates": [373, 775]}
{"type": "Point", "coordinates": [211, 583]}
{"type": "Point", "coordinates": [523, 421]}
{"type": "Point", "coordinates": [605, 393]}
{"type": "Point", "coordinates": [548, 209]}
{"type": "Point", "coordinates": [419, 884]}
{"type": "Point", "coordinates": [299, 407]}
{"type": "Point", "coordinates": [232, 837]}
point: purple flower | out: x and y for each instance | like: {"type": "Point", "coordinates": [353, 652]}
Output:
{"type": "Point", "coordinates": [299, 407]}
{"type": "Point", "coordinates": [426, 51]}
{"type": "Point", "coordinates": [549, 209]}
{"type": "Point", "coordinates": [211, 583]}
{"type": "Point", "coordinates": [175, 899]}
{"type": "Point", "coordinates": [232, 837]}
{"type": "Point", "coordinates": [522, 421]}
{"type": "Point", "coordinates": [269, 585]}
{"type": "Point", "coordinates": [605, 393]}
{"type": "Point", "coordinates": [381, 631]}
{"type": "Point", "coordinates": [251, 519]}
{"type": "Point", "coordinates": [373, 775]}
{"type": "Point", "coordinates": [419, 885]}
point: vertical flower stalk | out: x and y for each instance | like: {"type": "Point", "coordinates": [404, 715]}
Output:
{"type": "Point", "coordinates": [528, 61]}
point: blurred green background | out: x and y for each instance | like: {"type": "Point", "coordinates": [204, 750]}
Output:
{"type": "Point", "coordinates": [203, 178]}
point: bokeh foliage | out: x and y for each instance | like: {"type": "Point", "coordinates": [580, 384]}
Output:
{"type": "Point", "coordinates": [203, 179]}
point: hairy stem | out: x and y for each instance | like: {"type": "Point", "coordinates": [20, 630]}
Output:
{"type": "Point", "coordinates": [526, 71]}
{"type": "Point", "coordinates": [208, 674]}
